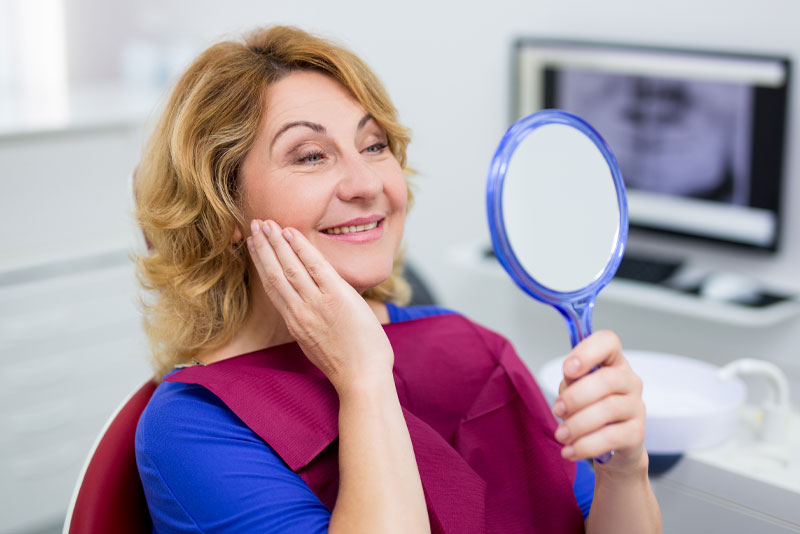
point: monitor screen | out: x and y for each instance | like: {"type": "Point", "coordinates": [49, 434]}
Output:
{"type": "Point", "coordinates": [699, 136]}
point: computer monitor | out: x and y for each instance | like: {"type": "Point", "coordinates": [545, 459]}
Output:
{"type": "Point", "coordinates": [699, 136]}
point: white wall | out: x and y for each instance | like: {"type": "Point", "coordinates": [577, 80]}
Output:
{"type": "Point", "coordinates": [447, 67]}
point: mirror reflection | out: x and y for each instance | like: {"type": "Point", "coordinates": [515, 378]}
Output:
{"type": "Point", "coordinates": [560, 207]}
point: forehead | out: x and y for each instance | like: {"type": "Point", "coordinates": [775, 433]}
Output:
{"type": "Point", "coordinates": [309, 96]}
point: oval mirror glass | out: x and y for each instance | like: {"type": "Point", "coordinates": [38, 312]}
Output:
{"type": "Point", "coordinates": [560, 208]}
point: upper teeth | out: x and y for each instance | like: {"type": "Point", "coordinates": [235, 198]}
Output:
{"type": "Point", "coordinates": [349, 229]}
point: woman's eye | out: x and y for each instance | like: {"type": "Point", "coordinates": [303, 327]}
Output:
{"type": "Point", "coordinates": [377, 148]}
{"type": "Point", "coordinates": [315, 156]}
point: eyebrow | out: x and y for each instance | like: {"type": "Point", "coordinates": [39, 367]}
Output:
{"type": "Point", "coordinates": [318, 128]}
{"type": "Point", "coordinates": [364, 120]}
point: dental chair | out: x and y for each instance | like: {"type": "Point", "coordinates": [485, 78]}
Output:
{"type": "Point", "coordinates": [108, 497]}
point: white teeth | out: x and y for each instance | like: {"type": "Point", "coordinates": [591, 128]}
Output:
{"type": "Point", "coordinates": [349, 229]}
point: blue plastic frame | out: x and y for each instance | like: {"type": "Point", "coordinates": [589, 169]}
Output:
{"type": "Point", "coordinates": [575, 306]}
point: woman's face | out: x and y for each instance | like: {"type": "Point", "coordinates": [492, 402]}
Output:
{"type": "Point", "coordinates": [321, 164]}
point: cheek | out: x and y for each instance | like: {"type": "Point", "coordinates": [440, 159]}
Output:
{"type": "Point", "coordinates": [398, 198]}
{"type": "Point", "coordinates": [296, 206]}
{"type": "Point", "coordinates": [402, 195]}
{"type": "Point", "coordinates": [396, 188]}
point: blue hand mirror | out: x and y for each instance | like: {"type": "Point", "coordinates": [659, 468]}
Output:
{"type": "Point", "coordinates": [558, 214]}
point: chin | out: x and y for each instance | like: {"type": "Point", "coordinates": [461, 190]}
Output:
{"type": "Point", "coordinates": [362, 281]}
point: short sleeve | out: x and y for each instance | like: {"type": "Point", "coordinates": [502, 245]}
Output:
{"type": "Point", "coordinates": [204, 470]}
{"type": "Point", "coordinates": [584, 486]}
{"type": "Point", "coordinates": [399, 314]}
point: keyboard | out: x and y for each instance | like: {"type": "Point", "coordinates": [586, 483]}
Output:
{"type": "Point", "coordinates": [650, 270]}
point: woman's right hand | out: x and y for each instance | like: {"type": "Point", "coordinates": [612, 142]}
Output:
{"type": "Point", "coordinates": [379, 483]}
{"type": "Point", "coordinates": [332, 323]}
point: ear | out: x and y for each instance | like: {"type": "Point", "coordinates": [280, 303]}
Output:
{"type": "Point", "coordinates": [237, 235]}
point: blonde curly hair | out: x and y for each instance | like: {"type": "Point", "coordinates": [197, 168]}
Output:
{"type": "Point", "coordinates": [188, 185]}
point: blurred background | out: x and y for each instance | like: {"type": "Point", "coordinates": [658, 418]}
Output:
{"type": "Point", "coordinates": [81, 82]}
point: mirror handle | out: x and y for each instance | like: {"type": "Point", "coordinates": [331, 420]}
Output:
{"type": "Point", "coordinates": [578, 315]}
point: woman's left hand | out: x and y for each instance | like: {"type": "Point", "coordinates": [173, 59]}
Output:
{"type": "Point", "coordinates": [601, 410]}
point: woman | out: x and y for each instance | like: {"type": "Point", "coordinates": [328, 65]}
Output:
{"type": "Point", "coordinates": [273, 193]}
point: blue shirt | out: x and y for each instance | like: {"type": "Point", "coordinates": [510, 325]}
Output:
{"type": "Point", "coordinates": [204, 470]}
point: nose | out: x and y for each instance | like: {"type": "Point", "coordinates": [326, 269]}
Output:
{"type": "Point", "coordinates": [359, 180]}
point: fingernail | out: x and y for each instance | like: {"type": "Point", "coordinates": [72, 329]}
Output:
{"type": "Point", "coordinates": [562, 433]}
{"type": "Point", "coordinates": [266, 228]}
{"type": "Point", "coordinates": [254, 227]}
{"type": "Point", "coordinates": [287, 234]}
{"type": "Point", "coordinates": [568, 451]}
{"type": "Point", "coordinates": [250, 244]}
{"type": "Point", "coordinates": [572, 365]}
{"type": "Point", "coordinates": [559, 409]}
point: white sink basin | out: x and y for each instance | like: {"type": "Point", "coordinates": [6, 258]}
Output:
{"type": "Point", "coordinates": [688, 405]}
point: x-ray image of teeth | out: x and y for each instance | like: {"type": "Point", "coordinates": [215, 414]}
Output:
{"type": "Point", "coordinates": [687, 138]}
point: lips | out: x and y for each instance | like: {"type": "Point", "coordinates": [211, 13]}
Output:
{"type": "Point", "coordinates": [360, 224]}
{"type": "Point", "coordinates": [357, 230]}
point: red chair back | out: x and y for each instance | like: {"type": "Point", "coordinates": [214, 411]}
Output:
{"type": "Point", "coordinates": [109, 495]}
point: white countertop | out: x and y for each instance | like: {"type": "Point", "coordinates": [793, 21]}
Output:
{"type": "Point", "coordinates": [746, 455]}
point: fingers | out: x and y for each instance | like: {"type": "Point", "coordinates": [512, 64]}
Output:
{"type": "Point", "coordinates": [626, 435]}
{"type": "Point", "coordinates": [288, 264]}
{"type": "Point", "coordinates": [615, 423]}
{"type": "Point", "coordinates": [314, 263]}
{"type": "Point", "coordinates": [599, 349]}
{"type": "Point", "coordinates": [269, 270]}
{"type": "Point", "coordinates": [593, 396]}
{"type": "Point", "coordinates": [293, 269]}
{"type": "Point", "coordinates": [600, 401]}
{"type": "Point", "coordinates": [281, 272]}
{"type": "Point", "coordinates": [609, 410]}
{"type": "Point", "coordinates": [594, 387]}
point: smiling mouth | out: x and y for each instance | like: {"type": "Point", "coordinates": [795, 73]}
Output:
{"type": "Point", "coordinates": [351, 229]}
